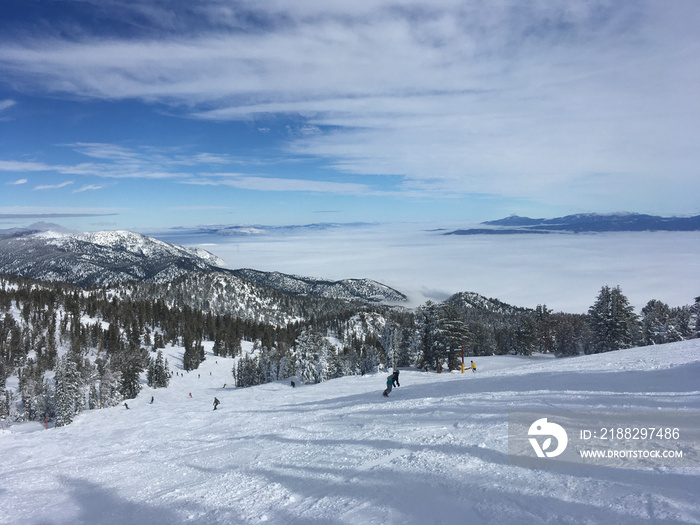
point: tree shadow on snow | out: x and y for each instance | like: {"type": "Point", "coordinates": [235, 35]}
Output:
{"type": "Point", "coordinates": [103, 506]}
{"type": "Point", "coordinates": [386, 489]}
{"type": "Point", "coordinates": [388, 495]}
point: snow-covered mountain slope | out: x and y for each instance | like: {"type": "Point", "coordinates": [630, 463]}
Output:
{"type": "Point", "coordinates": [336, 453]}
{"type": "Point", "coordinates": [366, 289]}
{"type": "Point", "coordinates": [99, 258]}
{"type": "Point", "coordinates": [114, 257]}
{"type": "Point", "coordinates": [473, 301]}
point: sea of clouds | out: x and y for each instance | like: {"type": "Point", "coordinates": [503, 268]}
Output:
{"type": "Point", "coordinates": [563, 271]}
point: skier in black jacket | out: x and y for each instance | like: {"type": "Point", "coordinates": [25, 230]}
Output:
{"type": "Point", "coordinates": [395, 381]}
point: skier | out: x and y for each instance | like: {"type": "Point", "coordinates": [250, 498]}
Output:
{"type": "Point", "coordinates": [473, 367]}
{"type": "Point", "coordinates": [127, 406]}
{"type": "Point", "coordinates": [151, 400]}
{"type": "Point", "coordinates": [293, 384]}
{"type": "Point", "coordinates": [395, 381]}
{"type": "Point", "coordinates": [216, 403]}
{"type": "Point", "coordinates": [389, 385]}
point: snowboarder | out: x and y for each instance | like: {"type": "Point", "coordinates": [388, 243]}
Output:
{"type": "Point", "coordinates": [216, 403]}
{"type": "Point", "coordinates": [473, 367]}
{"type": "Point", "coordinates": [395, 381]}
{"type": "Point", "coordinates": [389, 385]}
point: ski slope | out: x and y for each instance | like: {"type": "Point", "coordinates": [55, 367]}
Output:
{"type": "Point", "coordinates": [435, 452]}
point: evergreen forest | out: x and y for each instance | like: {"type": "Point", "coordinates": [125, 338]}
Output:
{"type": "Point", "coordinates": [65, 349]}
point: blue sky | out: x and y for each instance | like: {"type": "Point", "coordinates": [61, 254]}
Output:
{"type": "Point", "coordinates": [150, 115]}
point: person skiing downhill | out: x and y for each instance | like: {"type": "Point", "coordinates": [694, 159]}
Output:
{"type": "Point", "coordinates": [216, 403]}
{"type": "Point", "coordinates": [473, 367]}
{"type": "Point", "coordinates": [396, 377]}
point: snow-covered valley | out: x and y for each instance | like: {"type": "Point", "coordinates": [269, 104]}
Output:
{"type": "Point", "coordinates": [338, 452]}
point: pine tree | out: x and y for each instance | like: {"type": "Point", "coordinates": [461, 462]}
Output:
{"type": "Point", "coordinates": [4, 404]}
{"type": "Point", "coordinates": [613, 322]}
{"type": "Point", "coordinates": [131, 366]}
{"type": "Point", "coordinates": [404, 343]}
{"type": "Point", "coordinates": [108, 390]}
{"type": "Point", "coordinates": [544, 338]}
{"type": "Point", "coordinates": [158, 373]}
{"type": "Point", "coordinates": [655, 317]}
{"type": "Point", "coordinates": [313, 352]}
{"type": "Point", "coordinates": [67, 387]}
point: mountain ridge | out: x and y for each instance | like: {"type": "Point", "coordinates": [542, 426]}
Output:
{"type": "Point", "coordinates": [584, 223]}
{"type": "Point", "coordinates": [118, 256]}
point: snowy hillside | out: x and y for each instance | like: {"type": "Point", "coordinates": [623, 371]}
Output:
{"type": "Point", "coordinates": [100, 258]}
{"type": "Point", "coordinates": [339, 453]}
{"type": "Point", "coordinates": [113, 257]}
{"type": "Point", "coordinates": [351, 289]}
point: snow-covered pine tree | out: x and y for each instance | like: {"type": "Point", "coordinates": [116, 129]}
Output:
{"type": "Point", "coordinates": [67, 385]}
{"type": "Point", "coordinates": [288, 363]}
{"type": "Point", "coordinates": [427, 321]}
{"type": "Point", "coordinates": [613, 321]}
{"type": "Point", "coordinates": [312, 352]}
{"type": "Point", "coordinates": [247, 372]}
{"type": "Point", "coordinates": [132, 364]}
{"type": "Point", "coordinates": [108, 387]}
{"type": "Point", "coordinates": [158, 375]}
{"type": "Point", "coordinates": [681, 323]}
{"type": "Point", "coordinates": [544, 337]}
{"type": "Point", "coordinates": [404, 354]}
{"type": "Point", "coordinates": [93, 397]}
{"type": "Point", "coordinates": [5, 404]}
{"type": "Point", "coordinates": [655, 316]}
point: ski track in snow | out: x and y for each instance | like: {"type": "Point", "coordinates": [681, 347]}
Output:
{"type": "Point", "coordinates": [435, 452]}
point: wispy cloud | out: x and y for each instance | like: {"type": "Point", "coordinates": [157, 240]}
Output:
{"type": "Point", "coordinates": [191, 208]}
{"type": "Point", "coordinates": [22, 166]}
{"type": "Point", "coordinates": [18, 182]}
{"type": "Point", "coordinates": [53, 186]}
{"type": "Point", "coordinates": [88, 187]}
{"type": "Point", "coordinates": [454, 97]}
{"type": "Point", "coordinates": [121, 162]}
{"type": "Point", "coordinates": [5, 104]}
{"type": "Point", "coordinates": [260, 183]}
{"type": "Point", "coordinates": [52, 212]}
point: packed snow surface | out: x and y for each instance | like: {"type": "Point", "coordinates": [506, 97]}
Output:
{"type": "Point", "coordinates": [434, 452]}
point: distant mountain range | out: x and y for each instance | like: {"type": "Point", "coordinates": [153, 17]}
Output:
{"type": "Point", "coordinates": [249, 230]}
{"type": "Point", "coordinates": [584, 222]}
{"type": "Point", "coordinates": [115, 257]}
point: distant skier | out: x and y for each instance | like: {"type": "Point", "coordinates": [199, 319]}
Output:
{"type": "Point", "coordinates": [127, 406]}
{"type": "Point", "coordinates": [389, 385]}
{"type": "Point", "coordinates": [151, 400]}
{"type": "Point", "coordinates": [293, 384]}
{"type": "Point", "coordinates": [216, 403]}
{"type": "Point", "coordinates": [473, 367]}
{"type": "Point", "coordinates": [395, 381]}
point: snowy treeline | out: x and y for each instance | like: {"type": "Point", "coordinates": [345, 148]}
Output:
{"type": "Point", "coordinates": [65, 349]}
